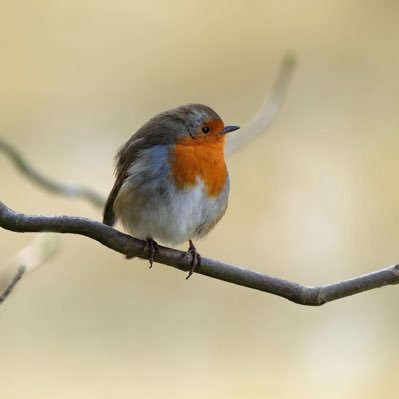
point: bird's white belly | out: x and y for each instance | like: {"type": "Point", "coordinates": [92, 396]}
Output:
{"type": "Point", "coordinates": [174, 218]}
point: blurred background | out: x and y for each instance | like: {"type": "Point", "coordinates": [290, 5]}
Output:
{"type": "Point", "coordinates": [313, 200]}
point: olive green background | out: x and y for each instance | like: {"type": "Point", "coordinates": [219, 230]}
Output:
{"type": "Point", "coordinates": [314, 200]}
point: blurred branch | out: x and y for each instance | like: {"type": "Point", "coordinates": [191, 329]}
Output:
{"type": "Point", "coordinates": [125, 244]}
{"type": "Point", "coordinates": [70, 190]}
{"type": "Point", "coordinates": [26, 260]}
{"type": "Point", "coordinates": [267, 113]}
{"type": "Point", "coordinates": [12, 284]}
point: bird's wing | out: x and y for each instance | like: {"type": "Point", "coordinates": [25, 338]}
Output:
{"type": "Point", "coordinates": [125, 157]}
{"type": "Point", "coordinates": [157, 131]}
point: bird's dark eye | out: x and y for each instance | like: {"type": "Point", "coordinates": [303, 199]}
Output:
{"type": "Point", "coordinates": [206, 129]}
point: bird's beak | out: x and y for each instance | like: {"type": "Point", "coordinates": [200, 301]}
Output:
{"type": "Point", "coordinates": [228, 129]}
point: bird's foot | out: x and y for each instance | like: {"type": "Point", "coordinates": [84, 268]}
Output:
{"type": "Point", "coordinates": [195, 258]}
{"type": "Point", "coordinates": [151, 247]}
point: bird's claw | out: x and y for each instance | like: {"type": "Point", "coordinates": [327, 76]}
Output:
{"type": "Point", "coordinates": [151, 247]}
{"type": "Point", "coordinates": [195, 259]}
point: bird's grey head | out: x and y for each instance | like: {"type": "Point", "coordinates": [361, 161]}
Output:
{"type": "Point", "coordinates": [195, 121]}
{"type": "Point", "coordinates": [187, 121]}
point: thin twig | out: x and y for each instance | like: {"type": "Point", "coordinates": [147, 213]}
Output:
{"type": "Point", "coordinates": [21, 270]}
{"type": "Point", "coordinates": [42, 248]}
{"type": "Point", "coordinates": [125, 244]}
{"type": "Point", "coordinates": [70, 190]}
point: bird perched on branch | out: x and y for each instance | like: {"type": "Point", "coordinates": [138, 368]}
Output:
{"type": "Point", "coordinates": [172, 183]}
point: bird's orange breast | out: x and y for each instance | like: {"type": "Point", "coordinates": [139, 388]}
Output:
{"type": "Point", "coordinates": [202, 157]}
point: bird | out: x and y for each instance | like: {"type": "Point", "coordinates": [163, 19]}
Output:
{"type": "Point", "coordinates": [171, 180]}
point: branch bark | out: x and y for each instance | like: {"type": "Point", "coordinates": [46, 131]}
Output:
{"type": "Point", "coordinates": [127, 245]}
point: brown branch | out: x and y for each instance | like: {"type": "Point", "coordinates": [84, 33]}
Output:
{"type": "Point", "coordinates": [312, 296]}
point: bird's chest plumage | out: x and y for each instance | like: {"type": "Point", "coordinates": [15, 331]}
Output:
{"type": "Point", "coordinates": [174, 194]}
{"type": "Point", "coordinates": [204, 161]}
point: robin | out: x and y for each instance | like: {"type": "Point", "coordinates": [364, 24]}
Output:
{"type": "Point", "coordinates": [172, 183]}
